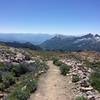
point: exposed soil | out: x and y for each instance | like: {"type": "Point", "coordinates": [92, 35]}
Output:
{"type": "Point", "coordinates": [54, 86]}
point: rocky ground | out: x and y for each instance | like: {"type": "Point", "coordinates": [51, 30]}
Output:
{"type": "Point", "coordinates": [13, 55]}
{"type": "Point", "coordinates": [82, 87]}
{"type": "Point", "coordinates": [52, 85]}
{"type": "Point", "coordinates": [10, 57]}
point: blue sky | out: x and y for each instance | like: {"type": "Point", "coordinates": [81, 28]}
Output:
{"type": "Point", "coordinates": [70, 17]}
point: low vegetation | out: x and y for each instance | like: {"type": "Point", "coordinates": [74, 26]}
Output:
{"type": "Point", "coordinates": [75, 78]}
{"type": "Point", "coordinates": [57, 62]}
{"type": "Point", "coordinates": [23, 90]}
{"type": "Point", "coordinates": [95, 80]}
{"type": "Point", "coordinates": [64, 68]}
{"type": "Point", "coordinates": [20, 80]}
{"type": "Point", "coordinates": [81, 98]}
{"type": "Point", "coordinates": [95, 76]}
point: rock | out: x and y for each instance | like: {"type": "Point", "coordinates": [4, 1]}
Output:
{"type": "Point", "coordinates": [89, 93]}
{"type": "Point", "coordinates": [90, 70]}
{"type": "Point", "coordinates": [1, 95]}
{"type": "Point", "coordinates": [74, 73]}
{"type": "Point", "coordinates": [85, 89]}
{"type": "Point", "coordinates": [40, 72]}
{"type": "Point", "coordinates": [24, 88]}
{"type": "Point", "coordinates": [84, 83]}
{"type": "Point", "coordinates": [91, 97]}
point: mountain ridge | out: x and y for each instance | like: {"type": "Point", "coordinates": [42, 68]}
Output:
{"type": "Point", "coordinates": [25, 37]}
{"type": "Point", "coordinates": [79, 43]}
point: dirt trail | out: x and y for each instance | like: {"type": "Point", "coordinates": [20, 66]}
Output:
{"type": "Point", "coordinates": [53, 86]}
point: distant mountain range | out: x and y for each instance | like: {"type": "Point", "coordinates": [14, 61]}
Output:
{"type": "Point", "coordinates": [87, 42]}
{"type": "Point", "coordinates": [21, 45]}
{"type": "Point", "coordinates": [65, 43]}
{"type": "Point", "coordinates": [25, 37]}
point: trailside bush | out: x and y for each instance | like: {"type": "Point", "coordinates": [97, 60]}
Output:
{"type": "Point", "coordinates": [57, 62]}
{"type": "Point", "coordinates": [0, 77]}
{"type": "Point", "coordinates": [2, 87]}
{"type": "Point", "coordinates": [22, 95]}
{"type": "Point", "coordinates": [64, 69]}
{"type": "Point", "coordinates": [8, 79]}
{"type": "Point", "coordinates": [81, 98]}
{"type": "Point", "coordinates": [75, 78]}
{"type": "Point", "coordinates": [24, 89]}
{"type": "Point", "coordinates": [18, 70]}
{"type": "Point", "coordinates": [19, 94]}
{"type": "Point", "coordinates": [95, 80]}
{"type": "Point", "coordinates": [2, 65]}
{"type": "Point", "coordinates": [55, 59]}
{"type": "Point", "coordinates": [31, 85]}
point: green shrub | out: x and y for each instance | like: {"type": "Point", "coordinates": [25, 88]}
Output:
{"type": "Point", "coordinates": [24, 89]}
{"type": "Point", "coordinates": [8, 79]}
{"type": "Point", "coordinates": [81, 98]}
{"type": "Point", "coordinates": [19, 94]}
{"type": "Point", "coordinates": [22, 95]}
{"type": "Point", "coordinates": [75, 78]}
{"type": "Point", "coordinates": [2, 65]}
{"type": "Point", "coordinates": [2, 87]}
{"type": "Point", "coordinates": [55, 60]}
{"type": "Point", "coordinates": [31, 85]}
{"type": "Point", "coordinates": [95, 80]}
{"type": "Point", "coordinates": [58, 63]}
{"type": "Point", "coordinates": [64, 69]}
{"type": "Point", "coordinates": [18, 70]}
{"type": "Point", "coordinates": [0, 77]}
{"type": "Point", "coordinates": [94, 65]}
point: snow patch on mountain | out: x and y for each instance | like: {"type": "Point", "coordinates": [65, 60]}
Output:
{"type": "Point", "coordinates": [83, 39]}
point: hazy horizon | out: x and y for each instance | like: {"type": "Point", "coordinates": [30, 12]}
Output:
{"type": "Point", "coordinates": [53, 34]}
{"type": "Point", "coordinates": [67, 17]}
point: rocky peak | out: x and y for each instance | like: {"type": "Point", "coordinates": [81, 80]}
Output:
{"type": "Point", "coordinates": [88, 36]}
{"type": "Point", "coordinates": [97, 35]}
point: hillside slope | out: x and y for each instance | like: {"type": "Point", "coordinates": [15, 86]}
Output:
{"type": "Point", "coordinates": [21, 45]}
{"type": "Point", "coordinates": [25, 37]}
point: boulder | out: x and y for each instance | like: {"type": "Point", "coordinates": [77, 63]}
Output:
{"type": "Point", "coordinates": [84, 83]}
{"type": "Point", "coordinates": [1, 95]}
